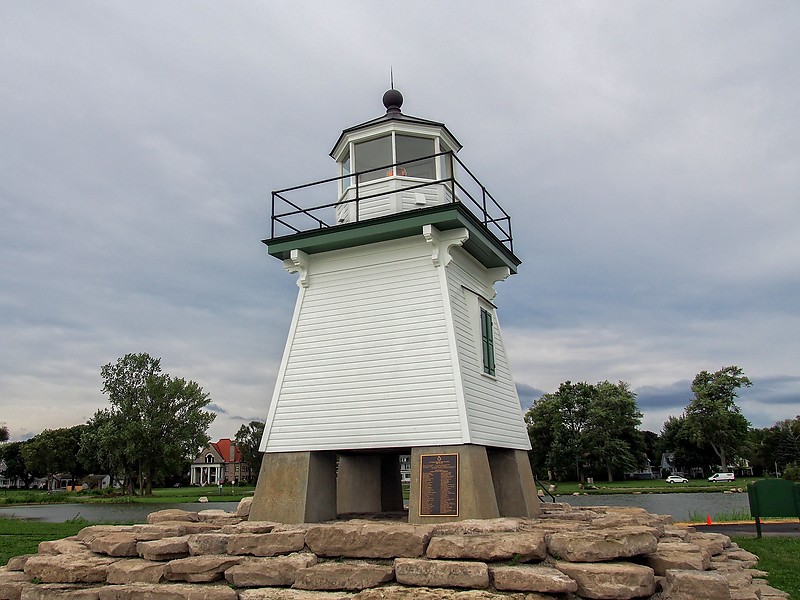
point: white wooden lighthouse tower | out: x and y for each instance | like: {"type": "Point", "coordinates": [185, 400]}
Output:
{"type": "Point", "coordinates": [394, 346]}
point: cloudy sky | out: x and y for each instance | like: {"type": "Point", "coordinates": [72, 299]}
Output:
{"type": "Point", "coordinates": [649, 154]}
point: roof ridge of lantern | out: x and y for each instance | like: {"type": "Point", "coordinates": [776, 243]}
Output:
{"type": "Point", "coordinates": [393, 101]}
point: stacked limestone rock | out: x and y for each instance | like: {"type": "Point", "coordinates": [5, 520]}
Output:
{"type": "Point", "coordinates": [597, 552]}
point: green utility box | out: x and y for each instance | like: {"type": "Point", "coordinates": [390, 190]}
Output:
{"type": "Point", "coordinates": [773, 498]}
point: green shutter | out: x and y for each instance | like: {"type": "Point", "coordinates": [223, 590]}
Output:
{"type": "Point", "coordinates": [487, 340]}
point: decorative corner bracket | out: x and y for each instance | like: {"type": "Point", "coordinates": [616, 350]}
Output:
{"type": "Point", "coordinates": [492, 276]}
{"type": "Point", "coordinates": [442, 241]}
{"type": "Point", "coordinates": [298, 263]}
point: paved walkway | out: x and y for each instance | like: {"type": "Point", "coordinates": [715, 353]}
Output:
{"type": "Point", "coordinates": [788, 529]}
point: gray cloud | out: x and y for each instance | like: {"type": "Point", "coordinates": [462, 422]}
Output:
{"type": "Point", "coordinates": [647, 154]}
{"type": "Point", "coordinates": [528, 395]}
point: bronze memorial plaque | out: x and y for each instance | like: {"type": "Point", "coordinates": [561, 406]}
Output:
{"type": "Point", "coordinates": [438, 485]}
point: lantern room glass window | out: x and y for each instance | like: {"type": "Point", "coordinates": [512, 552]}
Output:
{"type": "Point", "coordinates": [373, 154]}
{"type": "Point", "coordinates": [446, 161]}
{"type": "Point", "coordinates": [378, 154]}
{"type": "Point", "coordinates": [408, 147]}
{"type": "Point", "coordinates": [346, 180]}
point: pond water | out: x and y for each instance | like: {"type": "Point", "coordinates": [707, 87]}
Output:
{"type": "Point", "coordinates": [103, 513]}
{"type": "Point", "coordinates": [680, 506]}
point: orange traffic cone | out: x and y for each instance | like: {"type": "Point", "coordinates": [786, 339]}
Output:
{"type": "Point", "coordinates": [708, 519]}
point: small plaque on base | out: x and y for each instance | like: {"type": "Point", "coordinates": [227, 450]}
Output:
{"type": "Point", "coordinates": [438, 485]}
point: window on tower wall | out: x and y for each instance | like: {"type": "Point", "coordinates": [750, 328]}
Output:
{"type": "Point", "coordinates": [487, 342]}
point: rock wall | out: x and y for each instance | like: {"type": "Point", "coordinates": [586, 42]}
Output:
{"type": "Point", "coordinates": [589, 552]}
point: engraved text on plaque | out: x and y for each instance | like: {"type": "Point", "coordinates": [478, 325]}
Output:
{"type": "Point", "coordinates": [438, 485]}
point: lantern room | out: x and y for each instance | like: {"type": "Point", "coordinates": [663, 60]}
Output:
{"type": "Point", "coordinates": [392, 164]}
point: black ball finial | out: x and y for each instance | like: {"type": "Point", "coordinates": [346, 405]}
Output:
{"type": "Point", "coordinates": [392, 100]}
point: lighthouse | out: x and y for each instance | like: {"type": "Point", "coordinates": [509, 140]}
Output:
{"type": "Point", "coordinates": [394, 347]}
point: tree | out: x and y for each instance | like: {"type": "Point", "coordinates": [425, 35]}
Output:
{"type": "Point", "coordinates": [3, 433]}
{"type": "Point", "coordinates": [713, 417]}
{"type": "Point", "coordinates": [248, 440]}
{"type": "Point", "coordinates": [676, 439]}
{"type": "Point", "coordinates": [11, 454]}
{"type": "Point", "coordinates": [612, 438]}
{"type": "Point", "coordinates": [106, 446]}
{"type": "Point", "coordinates": [555, 424]}
{"type": "Point", "coordinates": [542, 419]}
{"type": "Point", "coordinates": [154, 423]}
{"type": "Point", "coordinates": [582, 426]}
{"type": "Point", "coordinates": [54, 451]}
{"type": "Point", "coordinates": [777, 446]}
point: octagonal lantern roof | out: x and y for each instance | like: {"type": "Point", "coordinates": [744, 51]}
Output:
{"type": "Point", "coordinates": [395, 119]}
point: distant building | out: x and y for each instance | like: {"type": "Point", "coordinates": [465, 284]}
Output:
{"type": "Point", "coordinates": [96, 482]}
{"type": "Point", "coordinates": [62, 482]}
{"type": "Point", "coordinates": [645, 471]}
{"type": "Point", "coordinates": [668, 464]}
{"type": "Point", "coordinates": [8, 482]}
{"type": "Point", "coordinates": [219, 461]}
{"type": "Point", "coordinates": [405, 468]}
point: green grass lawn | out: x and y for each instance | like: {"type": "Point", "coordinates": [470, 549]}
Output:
{"type": "Point", "coordinates": [780, 557]}
{"type": "Point", "coordinates": [182, 494]}
{"type": "Point", "coordinates": [234, 494]}
{"type": "Point", "coordinates": [18, 536]}
{"type": "Point", "coordinates": [648, 486]}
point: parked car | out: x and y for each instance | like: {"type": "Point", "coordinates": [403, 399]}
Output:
{"type": "Point", "coordinates": [676, 479]}
{"type": "Point", "coordinates": [722, 477]}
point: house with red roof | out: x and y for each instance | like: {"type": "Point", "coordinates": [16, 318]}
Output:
{"type": "Point", "coordinates": [220, 461]}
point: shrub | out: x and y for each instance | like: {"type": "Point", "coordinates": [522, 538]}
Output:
{"type": "Point", "coordinates": [791, 472]}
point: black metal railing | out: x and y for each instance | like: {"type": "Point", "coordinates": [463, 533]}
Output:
{"type": "Point", "coordinates": [302, 213]}
{"type": "Point", "coordinates": [546, 491]}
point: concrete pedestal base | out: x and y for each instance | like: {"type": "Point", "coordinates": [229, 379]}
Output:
{"type": "Point", "coordinates": [303, 487]}
{"type": "Point", "coordinates": [513, 482]}
{"type": "Point", "coordinates": [492, 482]}
{"type": "Point", "coordinates": [369, 483]}
{"type": "Point", "coordinates": [296, 487]}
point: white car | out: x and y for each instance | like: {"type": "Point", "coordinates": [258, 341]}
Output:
{"type": "Point", "coordinates": [722, 477]}
{"type": "Point", "coordinates": [677, 479]}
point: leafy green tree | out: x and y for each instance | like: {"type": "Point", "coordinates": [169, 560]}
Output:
{"type": "Point", "coordinates": [650, 446]}
{"type": "Point", "coordinates": [11, 454]}
{"type": "Point", "coordinates": [713, 417]}
{"type": "Point", "coordinates": [676, 439]}
{"type": "Point", "coordinates": [785, 437]}
{"type": "Point", "coordinates": [760, 454]}
{"type": "Point", "coordinates": [248, 440]}
{"type": "Point", "coordinates": [581, 427]}
{"type": "Point", "coordinates": [54, 451]}
{"type": "Point", "coordinates": [153, 424]}
{"type": "Point", "coordinates": [3, 433]}
{"type": "Point", "coordinates": [555, 424]}
{"type": "Point", "coordinates": [612, 438]}
{"type": "Point", "coordinates": [791, 472]}
{"type": "Point", "coordinates": [105, 446]}
{"type": "Point", "coordinates": [778, 446]}
{"type": "Point", "coordinates": [541, 420]}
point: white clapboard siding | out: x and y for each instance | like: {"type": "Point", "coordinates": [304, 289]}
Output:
{"type": "Point", "coordinates": [493, 410]}
{"type": "Point", "coordinates": [368, 361]}
{"type": "Point", "coordinates": [392, 198]}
